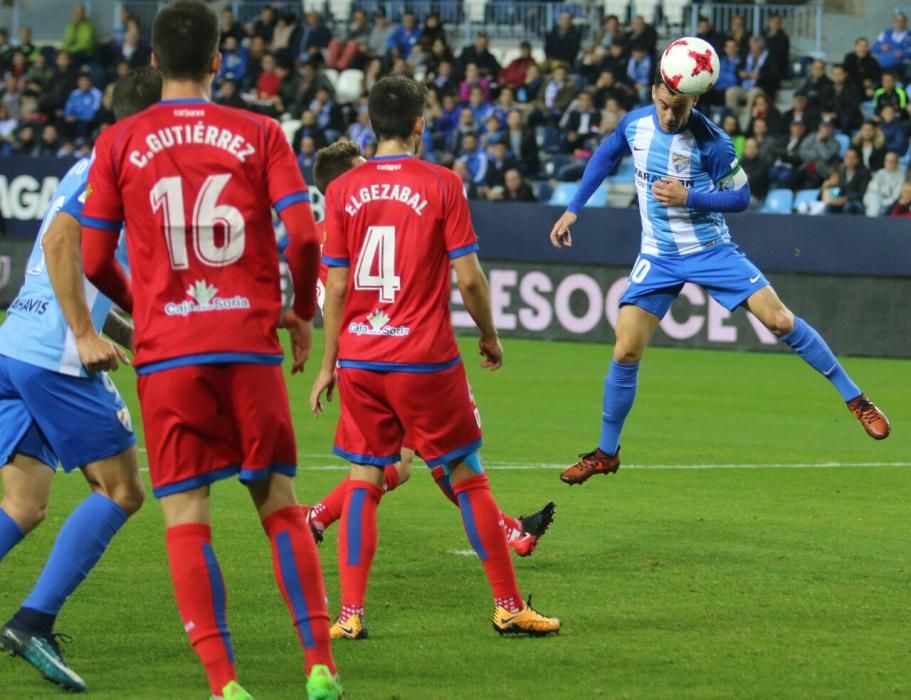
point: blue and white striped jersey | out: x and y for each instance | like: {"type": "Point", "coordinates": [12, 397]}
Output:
{"type": "Point", "coordinates": [700, 155]}
{"type": "Point", "coordinates": [35, 330]}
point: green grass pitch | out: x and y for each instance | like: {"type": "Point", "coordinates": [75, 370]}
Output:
{"type": "Point", "coordinates": [779, 578]}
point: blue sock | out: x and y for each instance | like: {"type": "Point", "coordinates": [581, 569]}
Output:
{"type": "Point", "coordinates": [81, 542]}
{"type": "Point", "coordinates": [10, 533]}
{"type": "Point", "coordinates": [619, 394]}
{"type": "Point", "coordinates": [807, 343]}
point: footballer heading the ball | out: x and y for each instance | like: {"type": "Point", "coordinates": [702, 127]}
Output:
{"type": "Point", "coordinates": [689, 66]}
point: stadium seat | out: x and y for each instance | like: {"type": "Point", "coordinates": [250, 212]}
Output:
{"type": "Point", "coordinates": [626, 172]}
{"type": "Point", "coordinates": [510, 55]}
{"type": "Point", "coordinates": [331, 75]}
{"type": "Point", "coordinates": [290, 127]}
{"type": "Point", "coordinates": [866, 108]}
{"type": "Point", "coordinates": [843, 142]}
{"type": "Point", "coordinates": [348, 87]}
{"type": "Point", "coordinates": [599, 198]}
{"type": "Point", "coordinates": [542, 190]}
{"type": "Point", "coordinates": [805, 196]}
{"type": "Point", "coordinates": [565, 191]}
{"type": "Point", "coordinates": [778, 202]}
{"type": "Point", "coordinates": [905, 160]}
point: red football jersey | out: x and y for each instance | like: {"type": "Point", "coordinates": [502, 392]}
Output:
{"type": "Point", "coordinates": [195, 183]}
{"type": "Point", "coordinates": [397, 222]}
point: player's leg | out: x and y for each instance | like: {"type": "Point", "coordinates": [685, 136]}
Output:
{"type": "Point", "coordinates": [268, 459]}
{"type": "Point", "coordinates": [26, 491]}
{"type": "Point", "coordinates": [813, 349]}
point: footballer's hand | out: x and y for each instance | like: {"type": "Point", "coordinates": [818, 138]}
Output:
{"type": "Point", "coordinates": [559, 234]}
{"type": "Point", "coordinates": [325, 381]}
{"type": "Point", "coordinates": [492, 352]}
{"type": "Point", "coordinates": [670, 192]}
{"type": "Point", "coordinates": [301, 334]}
{"type": "Point", "coordinates": [98, 354]}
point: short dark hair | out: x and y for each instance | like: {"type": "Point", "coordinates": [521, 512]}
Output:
{"type": "Point", "coordinates": [136, 91]}
{"type": "Point", "coordinates": [395, 104]}
{"type": "Point", "coordinates": [185, 39]}
{"type": "Point", "coordinates": [333, 161]}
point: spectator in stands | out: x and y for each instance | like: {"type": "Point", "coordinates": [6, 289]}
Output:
{"type": "Point", "coordinates": [315, 37]}
{"type": "Point", "coordinates": [902, 206]}
{"type": "Point", "coordinates": [778, 44]}
{"type": "Point", "coordinates": [817, 87]}
{"type": "Point", "coordinates": [515, 189]}
{"type": "Point", "coordinates": [401, 67]}
{"type": "Point", "coordinates": [610, 32]}
{"type": "Point", "coordinates": [558, 93]}
{"type": "Point", "coordinates": [893, 46]}
{"type": "Point", "coordinates": [611, 115]}
{"type": "Point", "coordinates": [107, 96]}
{"type": "Point", "coordinates": [785, 170]}
{"type": "Point", "coordinates": [287, 36]}
{"type": "Point", "coordinates": [499, 160]}
{"type": "Point", "coordinates": [530, 91]}
{"type": "Point", "coordinates": [306, 158]}
{"type": "Point", "coordinates": [268, 82]}
{"type": "Point", "coordinates": [642, 35]}
{"type": "Point", "coordinates": [513, 75]}
{"type": "Point", "coordinates": [255, 52]}
{"type": "Point", "coordinates": [233, 60]}
{"type": "Point", "coordinates": [12, 96]}
{"type": "Point", "coordinates": [442, 79]}
{"type": "Point", "coordinates": [8, 124]}
{"type": "Point", "coordinates": [19, 65]}
{"type": "Point", "coordinates": [25, 140]}
{"type": "Point", "coordinates": [264, 26]}
{"type": "Point", "coordinates": [757, 170]}
{"type": "Point", "coordinates": [380, 32]}
{"type": "Point", "coordinates": [474, 158]}
{"type": "Point", "coordinates": [479, 54]}
{"type": "Point", "coordinates": [328, 114]}
{"type": "Point", "coordinates": [895, 130]}
{"type": "Point", "coordinates": [404, 37]}
{"type": "Point", "coordinates": [473, 79]}
{"type": "Point", "coordinates": [765, 110]}
{"type": "Point", "coordinates": [884, 187]}
{"type": "Point", "coordinates": [39, 75]}
{"type": "Point", "coordinates": [727, 89]}
{"type": "Point", "coordinates": [892, 94]}
{"type": "Point", "coordinates": [706, 31]}
{"type": "Point", "coordinates": [439, 53]}
{"type": "Point", "coordinates": [818, 156]}
{"type": "Point", "coordinates": [639, 71]}
{"type": "Point", "coordinates": [800, 111]}
{"type": "Point", "coordinates": [343, 52]}
{"type": "Point", "coordinates": [844, 104]}
{"type": "Point", "coordinates": [311, 80]}
{"type": "Point", "coordinates": [372, 74]}
{"type": "Point", "coordinates": [460, 168]}
{"type": "Point", "coordinates": [581, 124]}
{"type": "Point", "coordinates": [862, 69]}
{"type": "Point", "coordinates": [563, 42]}
{"type": "Point", "coordinates": [79, 36]}
{"type": "Point", "coordinates": [134, 50]}
{"type": "Point", "coordinates": [308, 129]}
{"type": "Point", "coordinates": [49, 143]}
{"type": "Point", "coordinates": [757, 73]}
{"type": "Point", "coordinates": [522, 143]}
{"type": "Point", "coordinates": [360, 131]}
{"type": "Point", "coordinates": [60, 86]}
{"type": "Point", "coordinates": [506, 103]}
{"type": "Point", "coordinates": [82, 107]}
{"type": "Point", "coordinates": [431, 32]}
{"type": "Point", "coordinates": [26, 45]}
{"type": "Point", "coordinates": [608, 87]}
{"type": "Point", "coordinates": [229, 26]}
{"type": "Point", "coordinates": [737, 31]}
{"type": "Point", "coordinates": [6, 50]}
{"type": "Point", "coordinates": [871, 145]}
{"type": "Point", "coordinates": [843, 191]}
{"type": "Point", "coordinates": [491, 133]}
{"type": "Point", "coordinates": [731, 126]}
{"type": "Point", "coordinates": [229, 95]}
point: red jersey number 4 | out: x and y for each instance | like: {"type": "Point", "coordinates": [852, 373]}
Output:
{"type": "Point", "coordinates": [375, 269]}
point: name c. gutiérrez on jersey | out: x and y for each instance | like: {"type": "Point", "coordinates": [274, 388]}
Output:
{"type": "Point", "coordinates": [198, 133]}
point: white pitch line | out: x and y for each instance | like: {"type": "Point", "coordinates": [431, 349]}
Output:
{"type": "Point", "coordinates": [645, 467]}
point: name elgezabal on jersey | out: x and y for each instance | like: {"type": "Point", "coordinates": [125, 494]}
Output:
{"type": "Point", "coordinates": [387, 192]}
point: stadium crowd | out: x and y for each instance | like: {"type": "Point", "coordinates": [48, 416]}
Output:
{"type": "Point", "coordinates": [510, 130]}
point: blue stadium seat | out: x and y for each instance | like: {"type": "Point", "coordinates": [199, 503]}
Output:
{"type": "Point", "coordinates": [843, 142]}
{"type": "Point", "coordinates": [905, 160]}
{"type": "Point", "coordinates": [805, 196]}
{"type": "Point", "coordinates": [866, 109]}
{"type": "Point", "coordinates": [564, 192]}
{"type": "Point", "coordinates": [542, 190]}
{"type": "Point", "coordinates": [625, 173]}
{"type": "Point", "coordinates": [778, 202]}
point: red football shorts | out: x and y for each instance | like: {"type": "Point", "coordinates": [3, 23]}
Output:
{"type": "Point", "coordinates": [436, 410]}
{"type": "Point", "coordinates": [209, 422]}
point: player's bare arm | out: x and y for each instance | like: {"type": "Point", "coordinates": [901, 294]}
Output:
{"type": "Point", "coordinates": [476, 296]}
{"type": "Point", "coordinates": [333, 309]}
{"type": "Point", "coordinates": [560, 234]}
{"type": "Point", "coordinates": [303, 260]}
{"type": "Point", "coordinates": [62, 255]}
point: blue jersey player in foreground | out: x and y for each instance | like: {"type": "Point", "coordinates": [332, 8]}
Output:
{"type": "Point", "coordinates": [56, 405]}
{"type": "Point", "coordinates": [687, 176]}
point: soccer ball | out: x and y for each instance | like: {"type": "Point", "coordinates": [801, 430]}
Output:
{"type": "Point", "coordinates": [689, 66]}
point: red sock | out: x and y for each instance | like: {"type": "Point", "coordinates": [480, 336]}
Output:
{"type": "Point", "coordinates": [357, 540]}
{"type": "Point", "coordinates": [390, 478]}
{"type": "Point", "coordinates": [481, 518]}
{"type": "Point", "coordinates": [441, 477]}
{"type": "Point", "coordinates": [300, 579]}
{"type": "Point", "coordinates": [328, 510]}
{"type": "Point", "coordinates": [201, 600]}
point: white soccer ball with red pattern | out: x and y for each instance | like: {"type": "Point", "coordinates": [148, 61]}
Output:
{"type": "Point", "coordinates": [689, 66]}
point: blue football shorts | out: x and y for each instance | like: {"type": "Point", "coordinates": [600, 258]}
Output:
{"type": "Point", "coordinates": [723, 270]}
{"type": "Point", "coordinates": [55, 418]}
